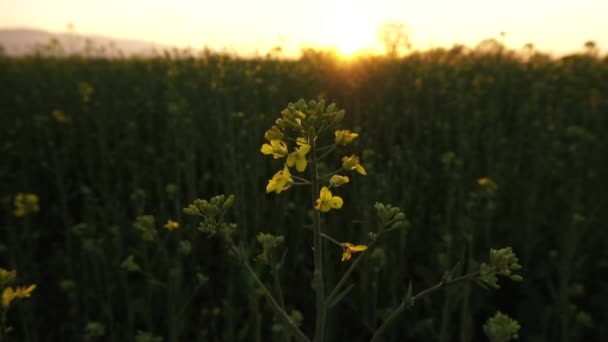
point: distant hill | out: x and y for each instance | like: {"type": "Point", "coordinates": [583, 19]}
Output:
{"type": "Point", "coordinates": [26, 41]}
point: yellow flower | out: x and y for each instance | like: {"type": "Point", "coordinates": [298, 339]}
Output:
{"type": "Point", "coordinates": [487, 183]}
{"type": "Point", "coordinates": [26, 204]}
{"type": "Point", "coordinates": [352, 163]}
{"type": "Point", "coordinates": [59, 116]}
{"type": "Point", "coordinates": [345, 137]}
{"type": "Point", "coordinates": [337, 180]}
{"type": "Point", "coordinates": [280, 181]}
{"type": "Point", "coordinates": [484, 181]}
{"type": "Point", "coordinates": [349, 249]}
{"type": "Point", "coordinates": [326, 201]}
{"type": "Point", "coordinates": [274, 133]}
{"type": "Point", "coordinates": [24, 291]}
{"type": "Point", "coordinates": [170, 225]}
{"type": "Point", "coordinates": [298, 158]}
{"type": "Point", "coordinates": [7, 297]}
{"type": "Point", "coordinates": [278, 149]}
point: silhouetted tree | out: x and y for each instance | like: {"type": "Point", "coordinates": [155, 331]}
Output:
{"type": "Point", "coordinates": [395, 35]}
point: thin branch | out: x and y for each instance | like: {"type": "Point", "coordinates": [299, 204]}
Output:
{"type": "Point", "coordinates": [409, 302]}
{"type": "Point", "coordinates": [282, 315]}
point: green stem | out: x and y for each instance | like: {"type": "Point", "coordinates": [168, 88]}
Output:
{"type": "Point", "coordinates": [318, 249]}
{"type": "Point", "coordinates": [3, 328]}
{"type": "Point", "coordinates": [332, 148]}
{"type": "Point", "coordinates": [282, 315]}
{"type": "Point", "coordinates": [279, 291]}
{"type": "Point", "coordinates": [332, 240]}
{"type": "Point", "coordinates": [347, 274]}
{"type": "Point", "coordinates": [327, 175]}
{"type": "Point", "coordinates": [406, 304]}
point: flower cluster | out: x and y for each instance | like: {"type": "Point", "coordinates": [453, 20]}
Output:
{"type": "Point", "coordinates": [501, 328]}
{"type": "Point", "coordinates": [302, 135]}
{"type": "Point", "coordinates": [502, 262]}
{"type": "Point", "coordinates": [9, 293]}
{"type": "Point", "coordinates": [303, 125]}
{"type": "Point", "coordinates": [26, 204]}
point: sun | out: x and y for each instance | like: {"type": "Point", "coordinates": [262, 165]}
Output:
{"type": "Point", "coordinates": [351, 32]}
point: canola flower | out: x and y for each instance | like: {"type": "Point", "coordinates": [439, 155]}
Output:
{"type": "Point", "coordinates": [278, 149]}
{"type": "Point", "coordinates": [337, 180]}
{"type": "Point", "coordinates": [9, 294]}
{"type": "Point", "coordinates": [171, 225]}
{"type": "Point", "coordinates": [484, 181]}
{"type": "Point", "coordinates": [26, 204]}
{"type": "Point", "coordinates": [349, 249]}
{"type": "Point", "coordinates": [487, 183]}
{"type": "Point", "coordinates": [59, 116]}
{"type": "Point", "coordinates": [352, 163]}
{"type": "Point", "coordinates": [345, 137]}
{"type": "Point", "coordinates": [274, 133]}
{"type": "Point", "coordinates": [280, 181]}
{"type": "Point", "coordinates": [327, 201]}
{"type": "Point", "coordinates": [298, 158]}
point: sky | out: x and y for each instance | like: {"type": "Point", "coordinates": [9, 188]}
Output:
{"type": "Point", "coordinates": [553, 26]}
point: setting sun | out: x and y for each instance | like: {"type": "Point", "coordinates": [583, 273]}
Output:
{"type": "Point", "coordinates": [352, 32]}
{"type": "Point", "coordinates": [348, 28]}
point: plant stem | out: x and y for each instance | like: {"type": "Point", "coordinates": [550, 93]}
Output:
{"type": "Point", "coordinates": [406, 304]}
{"type": "Point", "coordinates": [347, 274]}
{"type": "Point", "coordinates": [282, 315]}
{"type": "Point", "coordinates": [318, 249]}
{"type": "Point", "coordinates": [279, 291]}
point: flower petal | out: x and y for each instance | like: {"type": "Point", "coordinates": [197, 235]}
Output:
{"type": "Point", "coordinates": [266, 149]}
{"type": "Point", "coordinates": [301, 164]}
{"type": "Point", "coordinates": [335, 202]}
{"type": "Point", "coordinates": [291, 159]}
{"type": "Point", "coordinates": [361, 169]}
{"type": "Point", "coordinates": [358, 248]}
{"type": "Point", "coordinates": [346, 255]}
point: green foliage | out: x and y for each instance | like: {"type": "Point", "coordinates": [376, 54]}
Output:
{"type": "Point", "coordinates": [94, 331]}
{"type": "Point", "coordinates": [390, 217]}
{"type": "Point", "coordinates": [269, 244]}
{"type": "Point", "coordinates": [501, 328]}
{"type": "Point", "coordinates": [502, 262]}
{"type": "Point", "coordinates": [212, 214]}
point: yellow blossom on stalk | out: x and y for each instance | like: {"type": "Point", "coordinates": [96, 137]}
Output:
{"type": "Point", "coordinates": [352, 163]}
{"type": "Point", "coordinates": [7, 297]}
{"type": "Point", "coordinates": [9, 294]}
{"type": "Point", "coordinates": [298, 158]}
{"type": "Point", "coordinates": [170, 225]}
{"type": "Point", "coordinates": [326, 201]}
{"type": "Point", "coordinates": [278, 149]}
{"type": "Point", "coordinates": [337, 180]}
{"type": "Point", "coordinates": [26, 204]}
{"type": "Point", "coordinates": [349, 249]}
{"type": "Point", "coordinates": [280, 181]}
{"type": "Point", "coordinates": [274, 133]}
{"type": "Point", "coordinates": [59, 116]}
{"type": "Point", "coordinates": [487, 183]}
{"type": "Point", "coordinates": [24, 291]}
{"type": "Point", "coordinates": [345, 137]}
{"type": "Point", "coordinates": [302, 141]}
{"type": "Point", "coordinates": [484, 181]}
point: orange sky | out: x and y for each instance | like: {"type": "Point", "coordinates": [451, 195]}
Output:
{"type": "Point", "coordinates": [552, 25]}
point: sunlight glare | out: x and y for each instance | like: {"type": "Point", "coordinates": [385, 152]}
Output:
{"type": "Point", "coordinates": [351, 32]}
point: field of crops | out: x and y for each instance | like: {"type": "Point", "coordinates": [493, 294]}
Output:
{"type": "Point", "coordinates": [101, 150]}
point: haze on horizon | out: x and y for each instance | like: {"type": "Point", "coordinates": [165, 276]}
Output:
{"type": "Point", "coordinates": [556, 26]}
